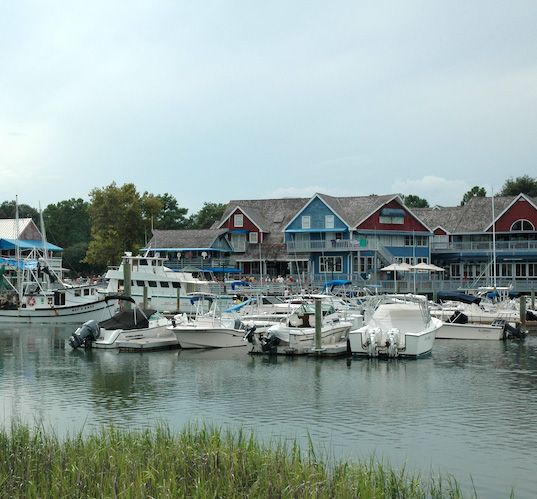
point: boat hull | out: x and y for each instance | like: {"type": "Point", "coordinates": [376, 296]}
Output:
{"type": "Point", "coordinates": [68, 314]}
{"type": "Point", "coordinates": [113, 338]}
{"type": "Point", "coordinates": [469, 332]}
{"type": "Point", "coordinates": [215, 337]}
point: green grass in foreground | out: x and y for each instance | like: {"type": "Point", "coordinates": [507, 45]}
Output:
{"type": "Point", "coordinates": [198, 462]}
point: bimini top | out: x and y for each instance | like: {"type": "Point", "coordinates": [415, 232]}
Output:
{"type": "Point", "coordinates": [335, 283]}
{"type": "Point", "coordinates": [129, 319]}
{"type": "Point", "coordinates": [458, 296]}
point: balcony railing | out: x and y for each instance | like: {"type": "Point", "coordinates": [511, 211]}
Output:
{"type": "Point", "coordinates": [334, 245]}
{"type": "Point", "coordinates": [484, 246]}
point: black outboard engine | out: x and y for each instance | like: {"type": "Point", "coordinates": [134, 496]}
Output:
{"type": "Point", "coordinates": [516, 332]}
{"type": "Point", "coordinates": [249, 336]}
{"type": "Point", "coordinates": [85, 335]}
{"type": "Point", "coordinates": [269, 344]}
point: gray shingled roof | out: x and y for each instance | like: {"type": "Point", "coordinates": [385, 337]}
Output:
{"type": "Point", "coordinates": [203, 238]}
{"type": "Point", "coordinates": [355, 209]}
{"type": "Point", "coordinates": [475, 216]}
{"type": "Point", "coordinates": [9, 226]}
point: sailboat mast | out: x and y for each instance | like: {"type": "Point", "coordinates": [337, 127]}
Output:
{"type": "Point", "coordinates": [493, 243]}
{"type": "Point", "coordinates": [18, 250]}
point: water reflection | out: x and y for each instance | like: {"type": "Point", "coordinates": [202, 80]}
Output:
{"type": "Point", "coordinates": [456, 411]}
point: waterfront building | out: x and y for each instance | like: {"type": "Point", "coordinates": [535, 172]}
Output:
{"type": "Point", "coordinates": [326, 237]}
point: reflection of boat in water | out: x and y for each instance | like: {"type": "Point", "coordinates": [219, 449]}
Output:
{"type": "Point", "coordinates": [211, 354]}
{"type": "Point", "coordinates": [128, 329]}
{"type": "Point", "coordinates": [396, 326]}
{"type": "Point", "coordinates": [208, 330]}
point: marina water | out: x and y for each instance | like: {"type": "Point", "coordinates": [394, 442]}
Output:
{"type": "Point", "coordinates": [468, 410]}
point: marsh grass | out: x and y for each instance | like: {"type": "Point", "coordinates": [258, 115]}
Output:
{"type": "Point", "coordinates": [199, 462]}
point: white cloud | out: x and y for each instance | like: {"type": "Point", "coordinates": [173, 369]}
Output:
{"type": "Point", "coordinates": [436, 190]}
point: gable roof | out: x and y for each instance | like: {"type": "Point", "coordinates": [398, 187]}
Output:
{"type": "Point", "coordinates": [498, 215]}
{"type": "Point", "coordinates": [8, 227]}
{"type": "Point", "coordinates": [252, 214]}
{"type": "Point", "coordinates": [176, 239]}
{"type": "Point", "coordinates": [329, 203]}
{"type": "Point", "coordinates": [475, 216]}
{"type": "Point", "coordinates": [271, 215]}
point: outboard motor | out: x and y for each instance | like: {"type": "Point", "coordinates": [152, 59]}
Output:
{"type": "Point", "coordinates": [249, 336]}
{"type": "Point", "coordinates": [85, 335]}
{"type": "Point", "coordinates": [515, 332]}
{"type": "Point", "coordinates": [269, 344]}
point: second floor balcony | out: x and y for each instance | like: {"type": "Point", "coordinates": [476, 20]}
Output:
{"type": "Point", "coordinates": [483, 246]}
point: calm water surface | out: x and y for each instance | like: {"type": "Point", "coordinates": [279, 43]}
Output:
{"type": "Point", "coordinates": [468, 410]}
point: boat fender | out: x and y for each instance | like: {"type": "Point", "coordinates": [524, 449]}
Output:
{"type": "Point", "coordinates": [30, 301]}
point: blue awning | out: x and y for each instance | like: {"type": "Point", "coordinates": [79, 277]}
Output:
{"type": "Point", "coordinates": [27, 244]}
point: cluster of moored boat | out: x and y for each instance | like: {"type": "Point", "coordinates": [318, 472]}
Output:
{"type": "Point", "coordinates": [167, 309]}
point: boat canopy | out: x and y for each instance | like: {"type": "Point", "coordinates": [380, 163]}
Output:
{"type": "Point", "coordinates": [238, 284]}
{"type": "Point", "coordinates": [27, 244]}
{"type": "Point", "coordinates": [238, 306]}
{"type": "Point", "coordinates": [458, 296]}
{"type": "Point", "coordinates": [336, 282]}
{"type": "Point", "coordinates": [129, 319]}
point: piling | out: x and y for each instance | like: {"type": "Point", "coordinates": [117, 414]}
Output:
{"type": "Point", "coordinates": [127, 280]}
{"type": "Point", "coordinates": [318, 322]}
{"type": "Point", "coordinates": [523, 310]}
{"type": "Point", "coordinates": [145, 298]}
{"type": "Point", "coordinates": [178, 303]}
{"type": "Point", "coordinates": [532, 299]}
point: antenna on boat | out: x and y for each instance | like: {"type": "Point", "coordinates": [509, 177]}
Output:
{"type": "Point", "coordinates": [18, 250]}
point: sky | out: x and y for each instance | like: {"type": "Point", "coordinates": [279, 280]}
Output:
{"type": "Point", "coordinates": [217, 100]}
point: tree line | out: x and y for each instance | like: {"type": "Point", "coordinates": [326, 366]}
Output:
{"type": "Point", "coordinates": [511, 187]}
{"type": "Point", "coordinates": [95, 234]}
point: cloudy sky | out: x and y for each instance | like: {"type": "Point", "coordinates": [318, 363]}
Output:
{"type": "Point", "coordinates": [218, 100]}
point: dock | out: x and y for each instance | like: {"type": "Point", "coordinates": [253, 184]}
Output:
{"type": "Point", "coordinates": [149, 344]}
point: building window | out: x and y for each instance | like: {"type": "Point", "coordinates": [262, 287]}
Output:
{"type": "Point", "coordinates": [238, 220]}
{"type": "Point", "coordinates": [329, 264]}
{"type": "Point", "coordinates": [392, 220]}
{"type": "Point", "coordinates": [422, 259]}
{"type": "Point", "coordinates": [416, 241]}
{"type": "Point", "coordinates": [253, 238]}
{"type": "Point", "coordinates": [329, 221]}
{"type": "Point", "coordinates": [522, 224]}
{"type": "Point", "coordinates": [152, 284]}
{"type": "Point", "coordinates": [306, 222]}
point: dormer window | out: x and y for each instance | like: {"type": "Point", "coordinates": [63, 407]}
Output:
{"type": "Point", "coordinates": [522, 225]}
{"type": "Point", "coordinates": [329, 221]}
{"type": "Point", "coordinates": [306, 222]}
{"type": "Point", "coordinates": [238, 220]}
{"type": "Point", "coordinates": [392, 216]}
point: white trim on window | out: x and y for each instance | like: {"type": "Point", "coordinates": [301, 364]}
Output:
{"type": "Point", "coordinates": [306, 222]}
{"type": "Point", "coordinates": [238, 220]}
{"type": "Point", "coordinates": [329, 221]}
{"type": "Point", "coordinates": [253, 237]}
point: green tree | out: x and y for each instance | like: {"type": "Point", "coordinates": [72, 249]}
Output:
{"type": "Point", "coordinates": [413, 201]}
{"type": "Point", "coordinates": [170, 215]}
{"type": "Point", "coordinates": [207, 215]}
{"type": "Point", "coordinates": [520, 185]}
{"type": "Point", "coordinates": [117, 223]}
{"type": "Point", "coordinates": [7, 210]}
{"type": "Point", "coordinates": [474, 192]}
{"type": "Point", "coordinates": [67, 223]}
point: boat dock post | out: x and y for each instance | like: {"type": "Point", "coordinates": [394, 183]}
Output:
{"type": "Point", "coordinates": [145, 298]}
{"type": "Point", "coordinates": [523, 310]}
{"type": "Point", "coordinates": [127, 280]}
{"type": "Point", "coordinates": [178, 304]}
{"type": "Point", "coordinates": [318, 322]}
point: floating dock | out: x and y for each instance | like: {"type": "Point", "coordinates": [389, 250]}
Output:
{"type": "Point", "coordinates": [149, 344]}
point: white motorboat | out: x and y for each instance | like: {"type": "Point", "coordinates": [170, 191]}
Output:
{"type": "Point", "coordinates": [396, 326]}
{"type": "Point", "coordinates": [126, 329]}
{"type": "Point", "coordinates": [165, 290]}
{"type": "Point", "coordinates": [296, 336]}
{"type": "Point", "coordinates": [32, 292]}
{"type": "Point", "coordinates": [465, 318]}
{"type": "Point", "coordinates": [208, 329]}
